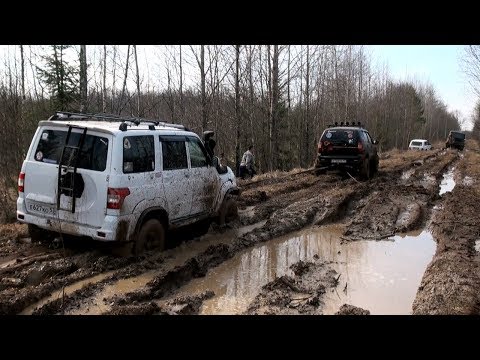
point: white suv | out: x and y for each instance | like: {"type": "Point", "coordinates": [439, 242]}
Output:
{"type": "Point", "coordinates": [419, 144]}
{"type": "Point", "coordinates": [121, 179]}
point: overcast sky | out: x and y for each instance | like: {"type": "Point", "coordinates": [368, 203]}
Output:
{"type": "Point", "coordinates": [439, 64]}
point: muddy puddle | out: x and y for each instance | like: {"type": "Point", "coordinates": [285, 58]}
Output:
{"type": "Point", "coordinates": [448, 183]}
{"type": "Point", "coordinates": [381, 276]}
{"type": "Point", "coordinates": [67, 291]}
{"type": "Point", "coordinates": [174, 257]}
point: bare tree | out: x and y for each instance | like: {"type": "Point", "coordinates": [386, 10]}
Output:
{"type": "Point", "coordinates": [83, 78]}
{"type": "Point", "coordinates": [124, 81]}
{"type": "Point", "coordinates": [471, 66]}
{"type": "Point", "coordinates": [104, 84]}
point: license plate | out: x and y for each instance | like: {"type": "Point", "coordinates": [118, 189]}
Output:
{"type": "Point", "coordinates": [42, 209]}
{"type": "Point", "coordinates": [339, 161]}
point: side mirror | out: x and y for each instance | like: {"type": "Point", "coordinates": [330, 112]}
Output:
{"type": "Point", "coordinates": [375, 142]}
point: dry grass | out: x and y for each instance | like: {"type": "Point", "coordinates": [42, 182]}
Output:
{"type": "Point", "coordinates": [8, 199]}
{"type": "Point", "coordinates": [13, 231]}
{"type": "Point", "coordinates": [399, 158]}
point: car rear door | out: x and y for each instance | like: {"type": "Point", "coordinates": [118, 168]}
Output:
{"type": "Point", "coordinates": [91, 182]}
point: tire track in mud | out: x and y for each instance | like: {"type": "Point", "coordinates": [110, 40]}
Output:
{"type": "Point", "coordinates": [308, 200]}
{"type": "Point", "coordinates": [330, 205]}
{"type": "Point", "coordinates": [400, 206]}
{"type": "Point", "coordinates": [40, 281]}
{"type": "Point", "coordinates": [451, 282]}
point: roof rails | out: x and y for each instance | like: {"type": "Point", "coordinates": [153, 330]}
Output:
{"type": "Point", "coordinates": [63, 115]}
{"type": "Point", "coordinates": [353, 123]}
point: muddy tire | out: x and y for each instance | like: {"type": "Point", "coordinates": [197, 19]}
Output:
{"type": "Point", "coordinates": [320, 172]}
{"type": "Point", "coordinates": [375, 166]}
{"type": "Point", "coordinates": [38, 234]}
{"type": "Point", "coordinates": [150, 236]}
{"type": "Point", "coordinates": [228, 211]}
{"type": "Point", "coordinates": [365, 170]}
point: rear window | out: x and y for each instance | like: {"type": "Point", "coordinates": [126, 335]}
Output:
{"type": "Point", "coordinates": [459, 136]}
{"type": "Point", "coordinates": [340, 136]}
{"type": "Point", "coordinates": [93, 155]}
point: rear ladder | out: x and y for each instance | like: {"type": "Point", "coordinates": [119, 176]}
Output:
{"type": "Point", "coordinates": [67, 165]}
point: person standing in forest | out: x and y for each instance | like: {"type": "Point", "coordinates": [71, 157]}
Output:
{"type": "Point", "coordinates": [247, 165]}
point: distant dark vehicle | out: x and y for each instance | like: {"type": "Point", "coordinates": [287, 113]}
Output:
{"type": "Point", "coordinates": [456, 140]}
{"type": "Point", "coordinates": [347, 147]}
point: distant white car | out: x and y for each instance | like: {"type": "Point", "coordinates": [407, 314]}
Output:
{"type": "Point", "coordinates": [419, 144]}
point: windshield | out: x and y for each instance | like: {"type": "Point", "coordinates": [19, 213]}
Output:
{"type": "Point", "coordinates": [458, 136]}
{"type": "Point", "coordinates": [336, 136]}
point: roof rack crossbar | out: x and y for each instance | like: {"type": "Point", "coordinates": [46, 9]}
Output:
{"type": "Point", "coordinates": [62, 115]}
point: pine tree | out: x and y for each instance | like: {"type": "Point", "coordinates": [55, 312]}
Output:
{"type": "Point", "coordinates": [61, 78]}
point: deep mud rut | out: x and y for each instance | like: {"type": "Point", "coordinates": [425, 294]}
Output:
{"type": "Point", "coordinates": [87, 279]}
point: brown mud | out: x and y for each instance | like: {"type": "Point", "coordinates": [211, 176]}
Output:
{"type": "Point", "coordinates": [270, 207]}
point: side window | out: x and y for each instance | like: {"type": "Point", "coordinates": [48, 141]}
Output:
{"type": "Point", "coordinates": [367, 137]}
{"type": "Point", "coordinates": [198, 156]}
{"type": "Point", "coordinates": [174, 155]}
{"type": "Point", "coordinates": [138, 154]}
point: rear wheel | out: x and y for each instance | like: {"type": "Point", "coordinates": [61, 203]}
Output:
{"type": "Point", "coordinates": [38, 234]}
{"type": "Point", "coordinates": [150, 236]}
{"type": "Point", "coordinates": [375, 166]}
{"type": "Point", "coordinates": [365, 170]}
{"type": "Point", "coordinates": [320, 171]}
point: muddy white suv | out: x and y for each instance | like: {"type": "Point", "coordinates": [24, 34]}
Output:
{"type": "Point", "coordinates": [121, 179]}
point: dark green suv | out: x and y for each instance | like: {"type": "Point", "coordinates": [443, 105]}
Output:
{"type": "Point", "coordinates": [455, 139]}
{"type": "Point", "coordinates": [347, 147]}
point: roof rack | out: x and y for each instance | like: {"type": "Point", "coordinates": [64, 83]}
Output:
{"type": "Point", "coordinates": [353, 123]}
{"type": "Point", "coordinates": [63, 115]}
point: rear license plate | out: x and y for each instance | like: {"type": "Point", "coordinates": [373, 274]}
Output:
{"type": "Point", "coordinates": [339, 161]}
{"type": "Point", "coordinates": [42, 209]}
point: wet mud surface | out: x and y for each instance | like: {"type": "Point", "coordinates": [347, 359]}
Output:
{"type": "Point", "coordinates": [86, 278]}
{"type": "Point", "coordinates": [451, 283]}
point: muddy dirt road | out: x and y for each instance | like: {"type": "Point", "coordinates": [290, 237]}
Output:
{"type": "Point", "coordinates": [402, 243]}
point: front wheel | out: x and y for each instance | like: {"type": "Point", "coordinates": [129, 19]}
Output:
{"type": "Point", "coordinates": [228, 211]}
{"type": "Point", "coordinates": [151, 235]}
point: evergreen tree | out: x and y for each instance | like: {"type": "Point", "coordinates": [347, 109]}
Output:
{"type": "Point", "coordinates": [61, 78]}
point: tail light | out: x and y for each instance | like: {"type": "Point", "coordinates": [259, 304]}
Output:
{"type": "Point", "coordinates": [320, 147]}
{"type": "Point", "coordinates": [360, 147]}
{"type": "Point", "coordinates": [21, 182]}
{"type": "Point", "coordinates": [115, 197]}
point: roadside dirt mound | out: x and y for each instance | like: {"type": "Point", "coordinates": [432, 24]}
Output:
{"type": "Point", "coordinates": [451, 283]}
{"type": "Point", "coordinates": [347, 309]}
